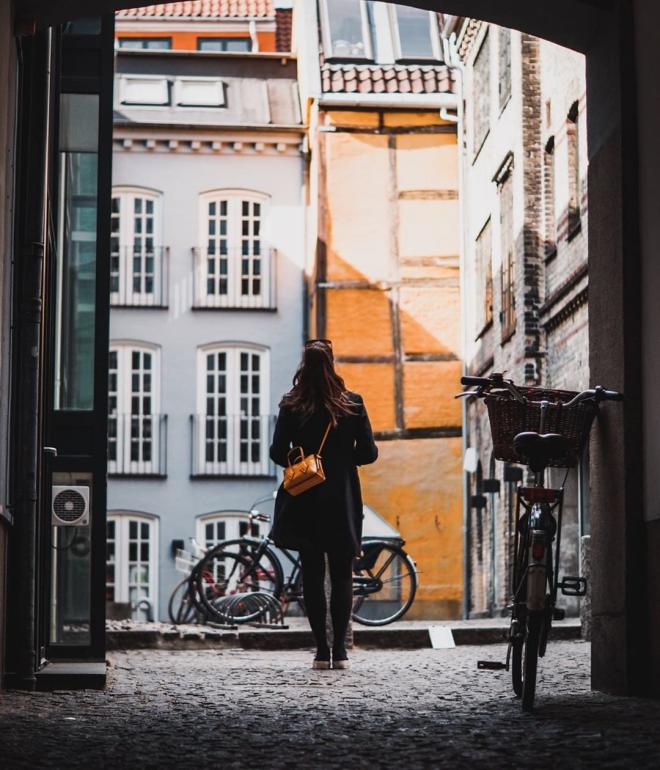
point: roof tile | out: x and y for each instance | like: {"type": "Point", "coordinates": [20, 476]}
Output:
{"type": "Point", "coordinates": [392, 79]}
{"type": "Point", "coordinates": [207, 9]}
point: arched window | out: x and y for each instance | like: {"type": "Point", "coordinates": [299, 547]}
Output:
{"type": "Point", "coordinates": [132, 562]}
{"type": "Point", "coordinates": [232, 424]}
{"type": "Point", "coordinates": [213, 528]}
{"type": "Point", "coordinates": [233, 266]}
{"type": "Point", "coordinates": [136, 429]}
{"type": "Point", "coordinates": [137, 258]}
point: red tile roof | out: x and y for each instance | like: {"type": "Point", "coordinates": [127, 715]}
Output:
{"type": "Point", "coordinates": [283, 20]}
{"type": "Point", "coordinates": [388, 79]}
{"type": "Point", "coordinates": [204, 9]}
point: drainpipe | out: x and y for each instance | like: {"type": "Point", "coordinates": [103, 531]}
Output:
{"type": "Point", "coordinates": [30, 247]}
{"type": "Point", "coordinates": [459, 118]}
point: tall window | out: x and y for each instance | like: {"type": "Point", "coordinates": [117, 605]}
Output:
{"type": "Point", "coordinates": [484, 265]}
{"type": "Point", "coordinates": [132, 563]}
{"type": "Point", "coordinates": [135, 429]}
{"type": "Point", "coordinates": [238, 44]}
{"type": "Point", "coordinates": [234, 267]}
{"type": "Point", "coordinates": [232, 424]}
{"type": "Point", "coordinates": [504, 40]}
{"type": "Point", "coordinates": [346, 29]}
{"type": "Point", "coordinates": [481, 101]}
{"type": "Point", "coordinates": [508, 311]}
{"type": "Point", "coordinates": [573, 144]}
{"type": "Point", "coordinates": [550, 222]}
{"type": "Point", "coordinates": [136, 258]}
{"type": "Point", "coordinates": [415, 33]}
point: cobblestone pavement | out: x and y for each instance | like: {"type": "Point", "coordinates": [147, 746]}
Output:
{"type": "Point", "coordinates": [412, 709]}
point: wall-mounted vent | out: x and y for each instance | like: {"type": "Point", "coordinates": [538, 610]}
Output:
{"type": "Point", "coordinates": [70, 506]}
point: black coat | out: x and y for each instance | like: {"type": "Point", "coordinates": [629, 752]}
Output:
{"type": "Point", "coordinates": [328, 516]}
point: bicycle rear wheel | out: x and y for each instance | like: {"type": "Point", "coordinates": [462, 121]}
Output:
{"type": "Point", "coordinates": [384, 590]}
{"type": "Point", "coordinates": [530, 662]}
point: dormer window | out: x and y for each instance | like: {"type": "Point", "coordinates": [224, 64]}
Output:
{"type": "Point", "coordinates": [376, 31]}
{"type": "Point", "coordinates": [346, 32]}
{"type": "Point", "coordinates": [415, 33]}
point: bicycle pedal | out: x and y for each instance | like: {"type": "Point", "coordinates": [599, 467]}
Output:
{"type": "Point", "coordinates": [573, 586]}
{"type": "Point", "coordinates": [558, 614]}
{"type": "Point", "coordinates": [490, 665]}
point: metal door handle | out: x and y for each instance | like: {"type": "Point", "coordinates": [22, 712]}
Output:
{"type": "Point", "coordinates": [50, 450]}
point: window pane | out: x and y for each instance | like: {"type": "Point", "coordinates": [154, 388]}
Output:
{"type": "Point", "coordinates": [241, 44]}
{"type": "Point", "coordinates": [76, 258]}
{"type": "Point", "coordinates": [346, 31]}
{"type": "Point", "coordinates": [414, 33]}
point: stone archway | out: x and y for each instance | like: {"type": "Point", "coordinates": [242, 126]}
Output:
{"type": "Point", "coordinates": [624, 579]}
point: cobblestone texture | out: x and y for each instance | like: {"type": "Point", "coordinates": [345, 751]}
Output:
{"type": "Point", "coordinates": [413, 709]}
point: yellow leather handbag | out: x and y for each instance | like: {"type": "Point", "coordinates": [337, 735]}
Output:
{"type": "Point", "coordinates": [307, 472]}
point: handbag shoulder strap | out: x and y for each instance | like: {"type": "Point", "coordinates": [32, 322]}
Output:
{"type": "Point", "coordinates": [325, 436]}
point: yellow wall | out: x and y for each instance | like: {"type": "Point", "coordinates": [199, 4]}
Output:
{"type": "Point", "coordinates": [389, 230]}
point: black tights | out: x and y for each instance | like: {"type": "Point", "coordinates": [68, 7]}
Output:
{"type": "Point", "coordinates": [341, 597]}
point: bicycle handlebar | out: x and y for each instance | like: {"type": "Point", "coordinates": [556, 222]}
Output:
{"type": "Point", "coordinates": [496, 385]}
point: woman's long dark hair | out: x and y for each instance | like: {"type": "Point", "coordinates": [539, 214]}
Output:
{"type": "Point", "coordinates": [317, 385]}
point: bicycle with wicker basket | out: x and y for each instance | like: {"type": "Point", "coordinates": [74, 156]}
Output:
{"type": "Point", "coordinates": [539, 428]}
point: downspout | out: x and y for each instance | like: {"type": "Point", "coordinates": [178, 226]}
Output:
{"type": "Point", "coordinates": [29, 250]}
{"type": "Point", "coordinates": [454, 61]}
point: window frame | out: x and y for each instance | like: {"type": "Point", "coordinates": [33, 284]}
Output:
{"type": "Point", "coordinates": [478, 141]}
{"type": "Point", "coordinates": [121, 541]}
{"type": "Point", "coordinates": [125, 296]}
{"type": "Point", "coordinates": [163, 39]}
{"type": "Point", "coordinates": [124, 396]}
{"type": "Point", "coordinates": [201, 39]}
{"type": "Point", "coordinates": [229, 517]}
{"type": "Point", "coordinates": [508, 316]}
{"type": "Point", "coordinates": [434, 36]}
{"type": "Point", "coordinates": [232, 465]}
{"type": "Point", "coordinates": [484, 278]}
{"type": "Point", "coordinates": [326, 37]}
{"type": "Point", "coordinates": [178, 94]}
{"type": "Point", "coordinates": [504, 97]}
{"type": "Point", "coordinates": [574, 175]}
{"type": "Point", "coordinates": [234, 296]}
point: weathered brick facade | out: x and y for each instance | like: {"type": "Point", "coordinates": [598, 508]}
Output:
{"type": "Point", "coordinates": [526, 183]}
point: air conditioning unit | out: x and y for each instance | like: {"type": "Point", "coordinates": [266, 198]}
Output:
{"type": "Point", "coordinates": [70, 506]}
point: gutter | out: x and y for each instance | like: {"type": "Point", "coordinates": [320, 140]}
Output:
{"type": "Point", "coordinates": [395, 101]}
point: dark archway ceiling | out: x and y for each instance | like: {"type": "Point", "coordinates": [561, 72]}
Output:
{"type": "Point", "coordinates": [568, 22]}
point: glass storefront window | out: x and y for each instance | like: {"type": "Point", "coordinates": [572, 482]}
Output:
{"type": "Point", "coordinates": [76, 252]}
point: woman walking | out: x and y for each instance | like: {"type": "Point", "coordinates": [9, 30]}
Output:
{"type": "Point", "coordinates": [327, 518]}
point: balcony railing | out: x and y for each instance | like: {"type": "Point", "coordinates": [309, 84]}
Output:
{"type": "Point", "coordinates": [139, 277]}
{"type": "Point", "coordinates": [234, 280]}
{"type": "Point", "coordinates": [137, 445]}
{"type": "Point", "coordinates": [231, 445]}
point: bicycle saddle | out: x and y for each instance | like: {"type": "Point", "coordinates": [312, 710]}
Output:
{"type": "Point", "coordinates": [540, 449]}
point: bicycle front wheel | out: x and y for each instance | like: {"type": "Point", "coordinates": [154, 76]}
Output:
{"type": "Point", "coordinates": [384, 591]}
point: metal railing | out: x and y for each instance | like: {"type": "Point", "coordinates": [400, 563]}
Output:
{"type": "Point", "coordinates": [137, 445]}
{"type": "Point", "coordinates": [231, 445]}
{"type": "Point", "coordinates": [234, 280]}
{"type": "Point", "coordinates": [139, 277]}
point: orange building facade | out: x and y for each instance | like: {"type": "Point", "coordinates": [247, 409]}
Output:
{"type": "Point", "coordinates": [385, 288]}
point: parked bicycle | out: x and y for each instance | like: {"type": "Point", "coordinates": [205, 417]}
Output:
{"type": "Point", "coordinates": [539, 428]}
{"type": "Point", "coordinates": [384, 579]}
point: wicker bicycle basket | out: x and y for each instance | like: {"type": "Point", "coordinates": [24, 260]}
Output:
{"type": "Point", "coordinates": [509, 417]}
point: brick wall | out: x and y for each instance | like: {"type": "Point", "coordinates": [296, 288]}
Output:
{"type": "Point", "coordinates": [549, 343]}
